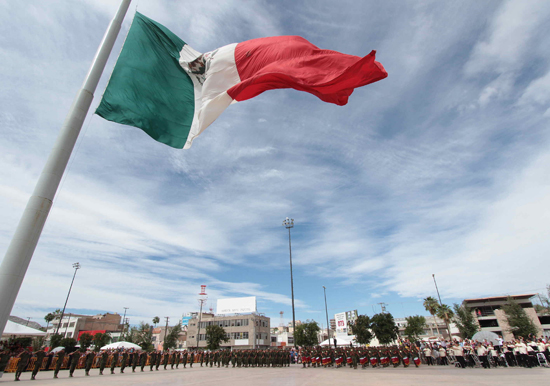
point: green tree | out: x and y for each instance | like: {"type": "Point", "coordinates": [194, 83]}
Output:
{"type": "Point", "coordinates": [171, 340]}
{"type": "Point", "coordinates": [465, 321]}
{"type": "Point", "coordinates": [431, 305]}
{"type": "Point", "coordinates": [156, 320]}
{"type": "Point", "coordinates": [214, 336]}
{"type": "Point", "coordinates": [362, 329]}
{"type": "Point", "coordinates": [55, 340]}
{"type": "Point", "coordinates": [415, 327]}
{"type": "Point", "coordinates": [305, 334]}
{"type": "Point", "coordinates": [20, 341]}
{"type": "Point", "coordinates": [445, 313]}
{"type": "Point", "coordinates": [142, 336]}
{"type": "Point", "coordinates": [38, 343]}
{"type": "Point", "coordinates": [145, 337]}
{"type": "Point", "coordinates": [68, 343]}
{"type": "Point", "coordinates": [48, 318]}
{"type": "Point", "coordinates": [85, 341]}
{"type": "Point", "coordinates": [384, 327]}
{"type": "Point", "coordinates": [544, 307]}
{"type": "Point", "coordinates": [520, 323]}
{"type": "Point", "coordinates": [101, 339]}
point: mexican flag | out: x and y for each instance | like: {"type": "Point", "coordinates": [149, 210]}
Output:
{"type": "Point", "coordinates": [173, 92]}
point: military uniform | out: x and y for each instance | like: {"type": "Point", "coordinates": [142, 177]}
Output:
{"type": "Point", "coordinates": [152, 360]}
{"type": "Point", "coordinates": [185, 359]}
{"type": "Point", "coordinates": [124, 361]}
{"type": "Point", "coordinates": [158, 360]}
{"type": "Point", "coordinates": [90, 356]}
{"type": "Point", "coordinates": [103, 361]}
{"type": "Point", "coordinates": [23, 363]}
{"type": "Point", "coordinates": [166, 359]}
{"type": "Point", "coordinates": [135, 360]}
{"type": "Point", "coordinates": [74, 357]}
{"type": "Point", "coordinates": [142, 360]}
{"type": "Point", "coordinates": [40, 355]}
{"type": "Point", "coordinates": [114, 360]}
{"type": "Point", "coordinates": [59, 362]}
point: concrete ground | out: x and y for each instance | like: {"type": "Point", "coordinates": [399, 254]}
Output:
{"type": "Point", "coordinates": [296, 376]}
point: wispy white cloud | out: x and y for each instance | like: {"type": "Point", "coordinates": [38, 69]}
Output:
{"type": "Point", "coordinates": [437, 169]}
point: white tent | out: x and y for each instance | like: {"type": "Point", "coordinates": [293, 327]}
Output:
{"type": "Point", "coordinates": [15, 329]}
{"type": "Point", "coordinates": [121, 345]}
{"type": "Point", "coordinates": [343, 340]}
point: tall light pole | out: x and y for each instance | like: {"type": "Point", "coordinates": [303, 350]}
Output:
{"type": "Point", "coordinates": [441, 304]}
{"type": "Point", "coordinates": [165, 333]}
{"type": "Point", "coordinates": [76, 267]}
{"type": "Point", "coordinates": [289, 223]}
{"type": "Point", "coordinates": [326, 312]}
{"type": "Point", "coordinates": [202, 299]}
{"type": "Point", "coordinates": [124, 322]}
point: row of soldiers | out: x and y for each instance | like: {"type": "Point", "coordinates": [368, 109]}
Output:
{"type": "Point", "coordinates": [134, 359]}
{"type": "Point", "coordinates": [363, 357]}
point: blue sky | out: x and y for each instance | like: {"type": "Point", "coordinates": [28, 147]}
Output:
{"type": "Point", "coordinates": [441, 168]}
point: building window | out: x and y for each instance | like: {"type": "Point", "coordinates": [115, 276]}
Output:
{"type": "Point", "coordinates": [64, 325]}
{"type": "Point", "coordinates": [71, 324]}
{"type": "Point", "coordinates": [245, 322]}
{"type": "Point", "coordinates": [69, 335]}
{"type": "Point", "coordinates": [488, 323]}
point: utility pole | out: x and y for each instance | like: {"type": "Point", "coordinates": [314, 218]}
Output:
{"type": "Point", "coordinates": [383, 306]}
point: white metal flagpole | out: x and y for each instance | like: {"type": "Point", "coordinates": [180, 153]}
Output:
{"type": "Point", "coordinates": [22, 245]}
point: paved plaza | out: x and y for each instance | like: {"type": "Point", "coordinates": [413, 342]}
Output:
{"type": "Point", "coordinates": [297, 376]}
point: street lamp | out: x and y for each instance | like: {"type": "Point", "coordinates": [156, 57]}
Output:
{"type": "Point", "coordinates": [76, 267]}
{"type": "Point", "coordinates": [441, 304]}
{"type": "Point", "coordinates": [289, 223]}
{"type": "Point", "coordinates": [326, 312]}
{"type": "Point", "coordinates": [124, 322]}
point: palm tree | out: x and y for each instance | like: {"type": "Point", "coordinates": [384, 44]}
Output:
{"type": "Point", "coordinates": [48, 318]}
{"type": "Point", "coordinates": [156, 320]}
{"type": "Point", "coordinates": [431, 305]}
{"type": "Point", "coordinates": [446, 313]}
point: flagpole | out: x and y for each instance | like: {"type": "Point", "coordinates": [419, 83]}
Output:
{"type": "Point", "coordinates": [19, 253]}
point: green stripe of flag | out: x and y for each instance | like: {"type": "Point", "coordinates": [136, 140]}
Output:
{"type": "Point", "coordinates": [148, 88]}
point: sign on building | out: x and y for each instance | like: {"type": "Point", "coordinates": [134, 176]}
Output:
{"type": "Point", "coordinates": [185, 320]}
{"type": "Point", "coordinates": [341, 323]}
{"type": "Point", "coordinates": [343, 319]}
{"type": "Point", "coordinates": [236, 305]}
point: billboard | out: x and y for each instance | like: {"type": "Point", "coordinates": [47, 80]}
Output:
{"type": "Point", "coordinates": [341, 323]}
{"type": "Point", "coordinates": [236, 305]}
{"type": "Point", "coordinates": [342, 320]}
{"type": "Point", "coordinates": [185, 320]}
